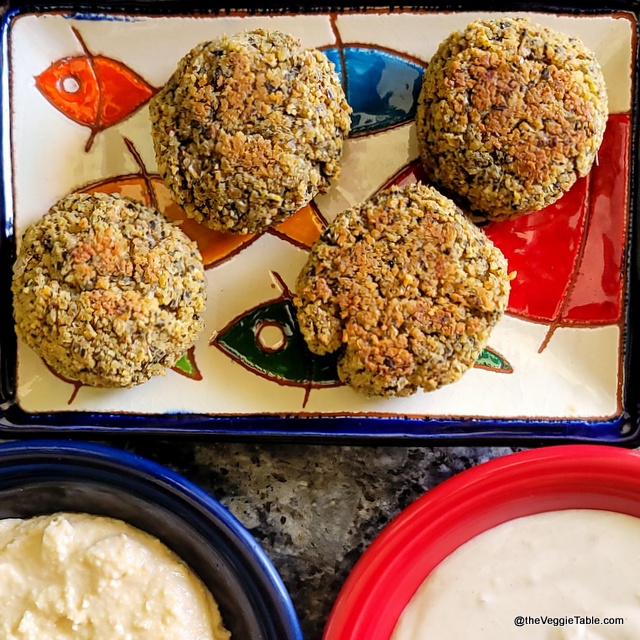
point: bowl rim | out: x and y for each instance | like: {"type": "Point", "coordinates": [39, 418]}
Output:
{"type": "Point", "coordinates": [49, 454]}
{"type": "Point", "coordinates": [518, 484]}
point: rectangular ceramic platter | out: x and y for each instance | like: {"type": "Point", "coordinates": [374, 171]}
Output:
{"type": "Point", "coordinates": [559, 355]}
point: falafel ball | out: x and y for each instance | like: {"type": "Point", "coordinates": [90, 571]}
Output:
{"type": "Point", "coordinates": [106, 291]}
{"type": "Point", "coordinates": [248, 129]}
{"type": "Point", "coordinates": [406, 287]}
{"type": "Point", "coordinates": [509, 115]}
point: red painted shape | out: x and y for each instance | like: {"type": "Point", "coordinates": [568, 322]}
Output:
{"type": "Point", "coordinates": [569, 257]}
{"type": "Point", "coordinates": [122, 90]}
{"type": "Point", "coordinates": [70, 85]}
{"type": "Point", "coordinates": [597, 294]}
{"type": "Point", "coordinates": [542, 248]}
{"type": "Point", "coordinates": [93, 90]}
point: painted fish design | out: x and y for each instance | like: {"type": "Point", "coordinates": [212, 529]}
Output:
{"type": "Point", "coordinates": [185, 366]}
{"type": "Point", "coordinates": [381, 86]}
{"type": "Point", "coordinates": [569, 256]}
{"type": "Point", "coordinates": [285, 358]}
{"type": "Point", "coordinates": [93, 90]}
{"type": "Point", "coordinates": [490, 360]}
{"type": "Point", "coordinates": [282, 356]}
{"type": "Point", "coordinates": [301, 229]}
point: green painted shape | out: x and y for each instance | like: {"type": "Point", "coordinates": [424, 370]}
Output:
{"type": "Point", "coordinates": [492, 360]}
{"type": "Point", "coordinates": [293, 362]}
{"type": "Point", "coordinates": [185, 365]}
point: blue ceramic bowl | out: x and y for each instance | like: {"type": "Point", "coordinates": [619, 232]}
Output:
{"type": "Point", "coordinates": [39, 477]}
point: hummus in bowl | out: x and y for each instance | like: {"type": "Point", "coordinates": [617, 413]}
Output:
{"type": "Point", "coordinates": [105, 538]}
{"type": "Point", "coordinates": [75, 575]}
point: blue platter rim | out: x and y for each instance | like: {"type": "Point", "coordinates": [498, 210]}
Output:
{"type": "Point", "coordinates": [623, 429]}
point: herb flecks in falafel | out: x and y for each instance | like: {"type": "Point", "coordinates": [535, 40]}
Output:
{"type": "Point", "coordinates": [509, 116]}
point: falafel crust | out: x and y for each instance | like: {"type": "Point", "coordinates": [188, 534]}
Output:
{"type": "Point", "coordinates": [106, 291]}
{"type": "Point", "coordinates": [406, 287]}
{"type": "Point", "coordinates": [248, 129]}
{"type": "Point", "coordinates": [509, 115]}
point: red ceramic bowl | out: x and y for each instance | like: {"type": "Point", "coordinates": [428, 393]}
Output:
{"type": "Point", "coordinates": [521, 484]}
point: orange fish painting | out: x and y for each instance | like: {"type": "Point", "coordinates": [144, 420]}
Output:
{"type": "Point", "coordinates": [300, 230]}
{"type": "Point", "coordinates": [93, 90]}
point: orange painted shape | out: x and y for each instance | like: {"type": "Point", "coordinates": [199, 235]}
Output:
{"type": "Point", "coordinates": [214, 246]}
{"type": "Point", "coordinates": [131, 186]}
{"type": "Point", "coordinates": [70, 85]}
{"type": "Point", "coordinates": [122, 90]}
{"type": "Point", "coordinates": [96, 92]}
{"type": "Point", "coordinates": [303, 227]}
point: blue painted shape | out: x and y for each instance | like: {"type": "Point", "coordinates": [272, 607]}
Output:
{"type": "Point", "coordinates": [334, 56]}
{"type": "Point", "coordinates": [382, 88]}
{"type": "Point", "coordinates": [102, 17]}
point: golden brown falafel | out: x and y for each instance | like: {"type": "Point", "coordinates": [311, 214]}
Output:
{"type": "Point", "coordinates": [248, 129]}
{"type": "Point", "coordinates": [106, 291]}
{"type": "Point", "coordinates": [509, 115]}
{"type": "Point", "coordinates": [406, 287]}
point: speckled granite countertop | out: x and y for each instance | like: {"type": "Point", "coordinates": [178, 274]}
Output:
{"type": "Point", "coordinates": [314, 508]}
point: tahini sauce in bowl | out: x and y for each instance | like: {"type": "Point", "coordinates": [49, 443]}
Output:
{"type": "Point", "coordinates": [561, 575]}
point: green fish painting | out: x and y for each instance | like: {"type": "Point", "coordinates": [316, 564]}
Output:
{"type": "Point", "coordinates": [267, 341]}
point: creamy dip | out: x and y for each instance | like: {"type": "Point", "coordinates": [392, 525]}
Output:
{"type": "Point", "coordinates": [87, 577]}
{"type": "Point", "coordinates": [562, 575]}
